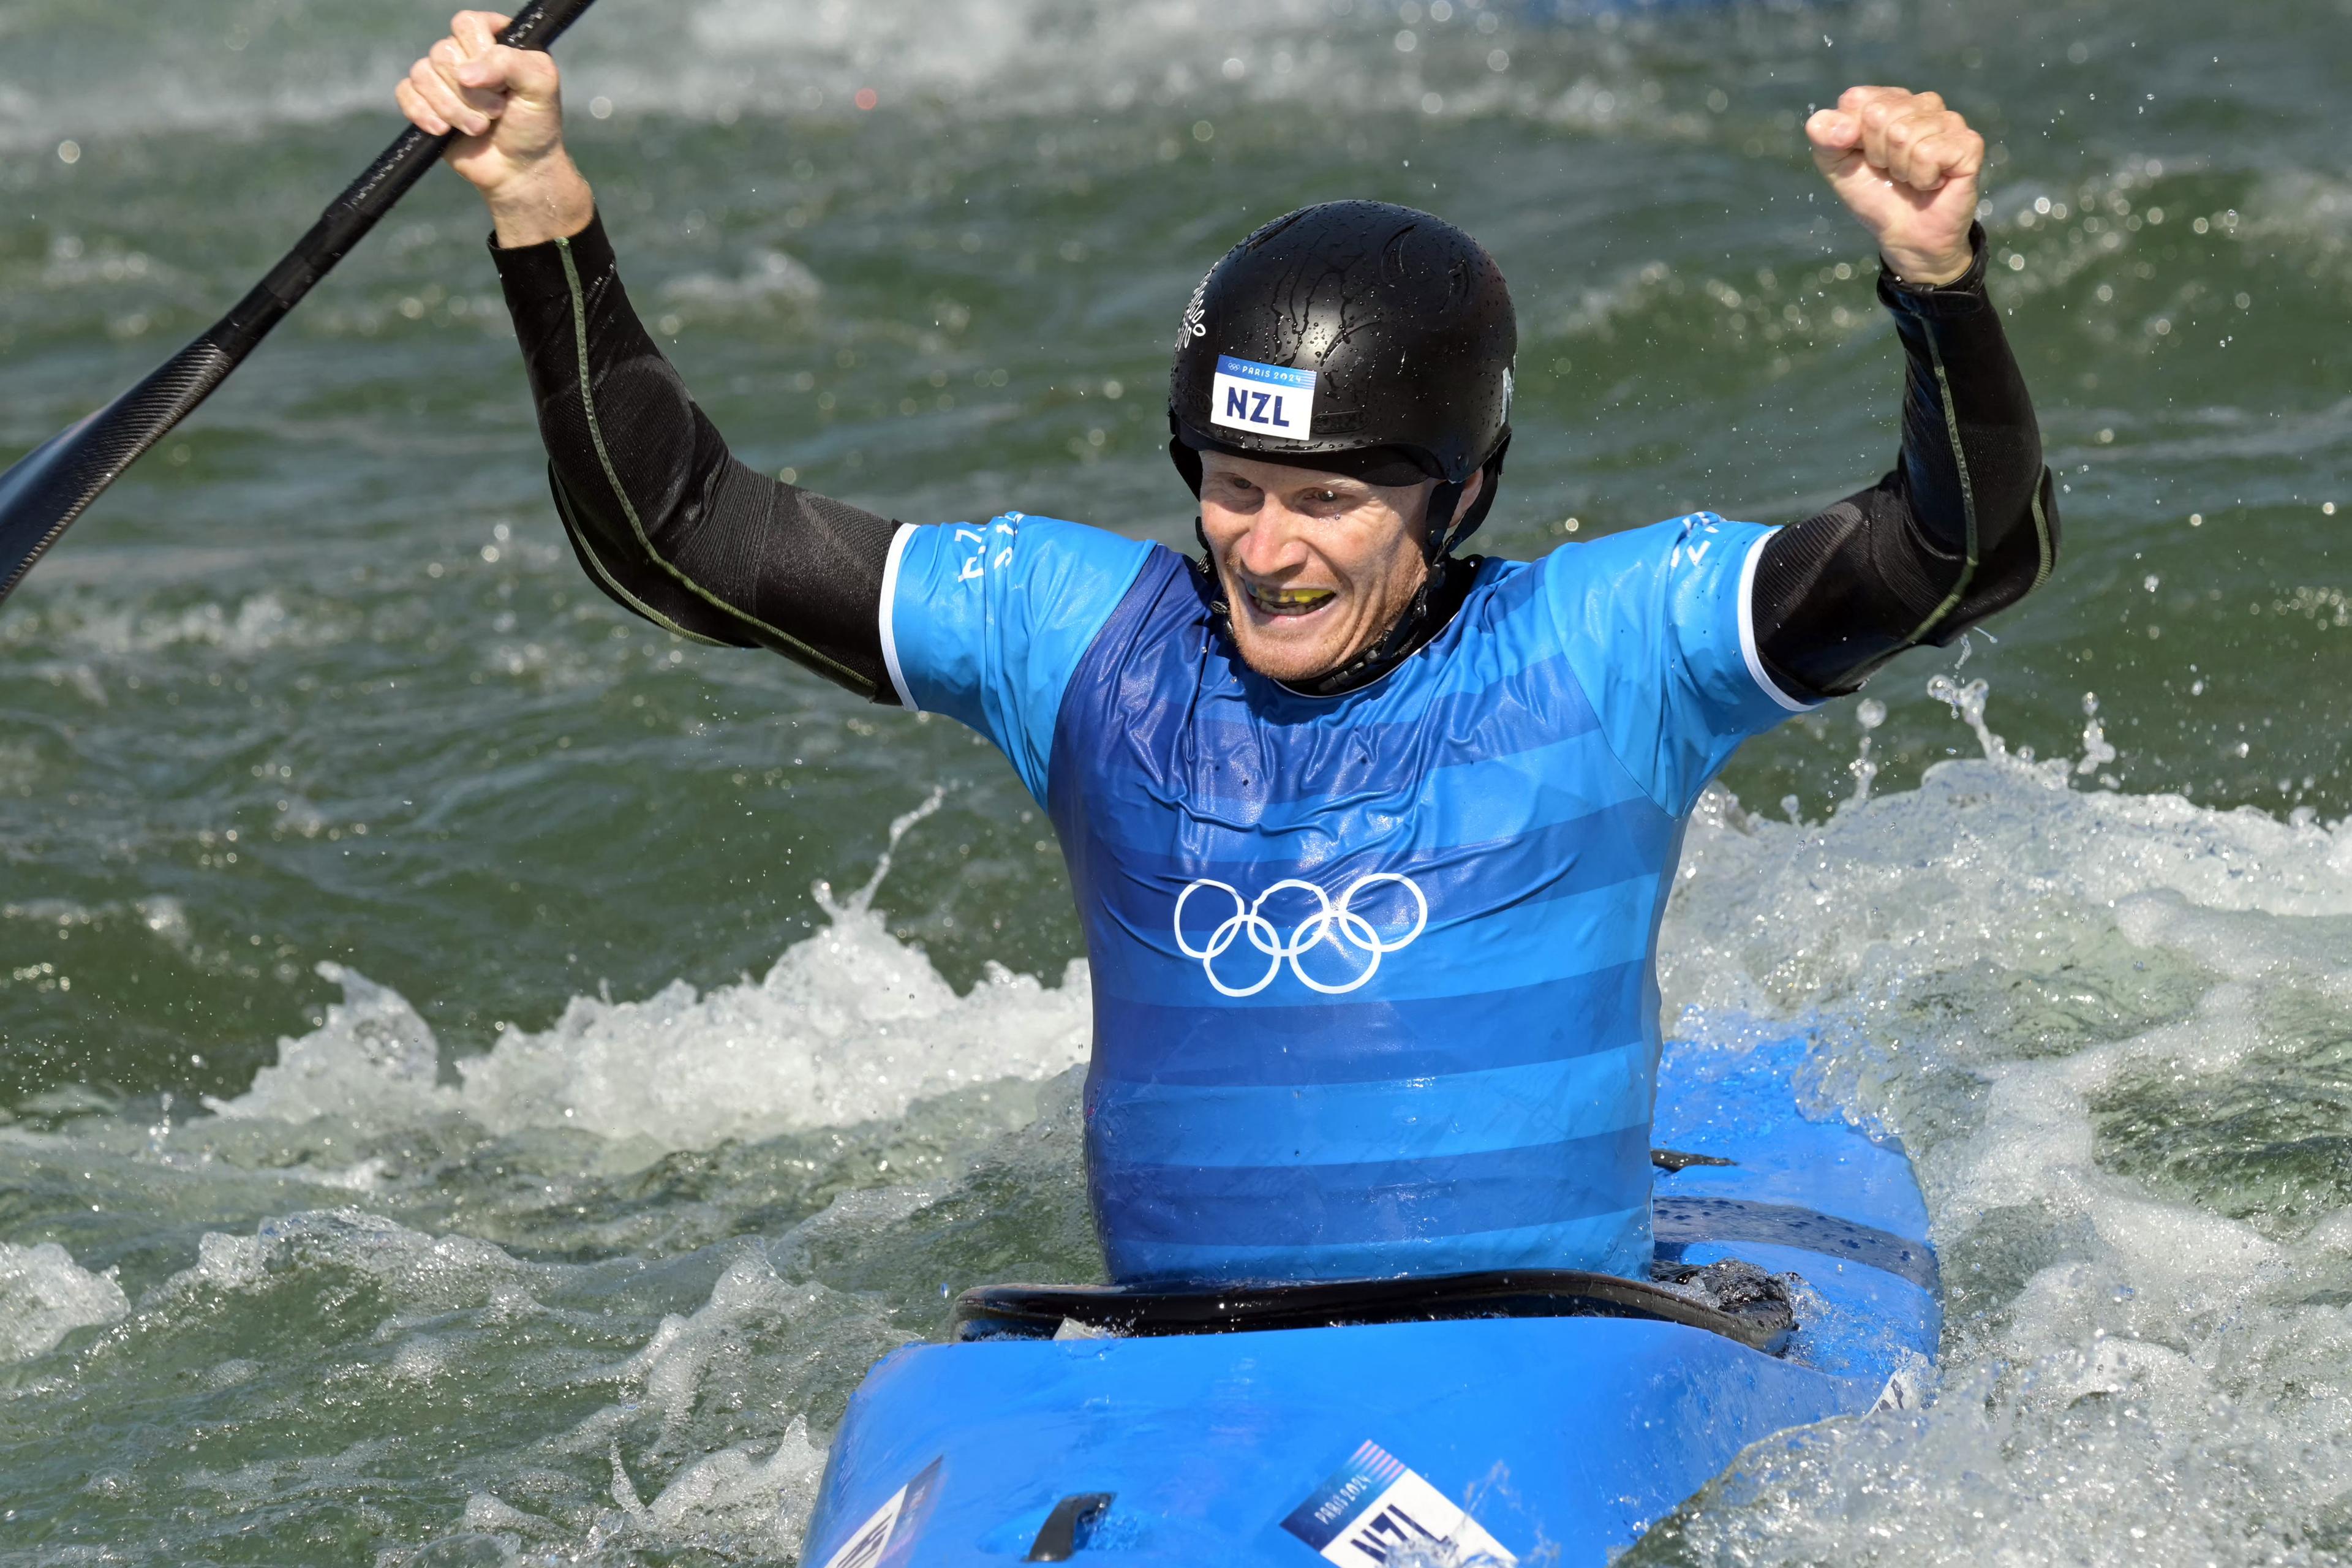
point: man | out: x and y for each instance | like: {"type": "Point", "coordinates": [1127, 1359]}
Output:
{"type": "Point", "coordinates": [1370, 841]}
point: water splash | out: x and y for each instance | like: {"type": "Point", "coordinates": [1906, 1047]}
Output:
{"type": "Point", "coordinates": [2096, 750]}
{"type": "Point", "coordinates": [849, 1025]}
{"type": "Point", "coordinates": [44, 1297]}
{"type": "Point", "coordinates": [862, 901]}
{"type": "Point", "coordinates": [724, 59]}
{"type": "Point", "coordinates": [2084, 1013]}
{"type": "Point", "coordinates": [2076, 1008]}
{"type": "Point", "coordinates": [1870, 713]}
{"type": "Point", "coordinates": [1967, 705]}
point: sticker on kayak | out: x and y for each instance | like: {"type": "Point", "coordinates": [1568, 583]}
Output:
{"type": "Point", "coordinates": [1265, 398]}
{"type": "Point", "coordinates": [1371, 1508]}
{"type": "Point", "coordinates": [895, 1523]}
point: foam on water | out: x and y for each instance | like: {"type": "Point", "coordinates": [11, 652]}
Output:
{"type": "Point", "coordinates": [755, 1502]}
{"type": "Point", "coordinates": [773, 282]}
{"type": "Point", "coordinates": [720, 60]}
{"type": "Point", "coordinates": [44, 1297]}
{"type": "Point", "coordinates": [714, 58]}
{"type": "Point", "coordinates": [1994, 963]}
{"type": "Point", "coordinates": [2145, 1359]}
{"type": "Point", "coordinates": [601, 1290]}
{"type": "Point", "coordinates": [2058, 995]}
{"type": "Point", "coordinates": [849, 1025]}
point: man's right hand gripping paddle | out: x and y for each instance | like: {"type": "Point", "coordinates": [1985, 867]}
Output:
{"type": "Point", "coordinates": [502, 110]}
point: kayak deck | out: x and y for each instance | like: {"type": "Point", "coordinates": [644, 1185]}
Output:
{"type": "Point", "coordinates": [1503, 1435]}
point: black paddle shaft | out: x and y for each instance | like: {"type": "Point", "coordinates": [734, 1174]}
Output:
{"type": "Point", "coordinates": [52, 486]}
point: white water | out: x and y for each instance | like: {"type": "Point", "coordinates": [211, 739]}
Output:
{"type": "Point", "coordinates": [2005, 967]}
{"type": "Point", "coordinates": [850, 1026]}
{"type": "Point", "coordinates": [599, 1291]}
{"type": "Point", "coordinates": [44, 1297]}
{"type": "Point", "coordinates": [2035, 984]}
{"type": "Point", "coordinates": [235, 69]}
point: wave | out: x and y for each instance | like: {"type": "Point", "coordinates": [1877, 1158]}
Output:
{"type": "Point", "coordinates": [2106, 1027]}
{"type": "Point", "coordinates": [223, 69]}
{"type": "Point", "coordinates": [2113, 1030]}
{"type": "Point", "coordinates": [851, 1026]}
{"type": "Point", "coordinates": [216, 66]}
{"type": "Point", "coordinates": [45, 1295]}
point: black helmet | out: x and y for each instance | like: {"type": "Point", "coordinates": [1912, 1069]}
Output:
{"type": "Point", "coordinates": [1356, 336]}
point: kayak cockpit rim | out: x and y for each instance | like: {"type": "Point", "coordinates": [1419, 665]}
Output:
{"type": "Point", "coordinates": [1759, 1316]}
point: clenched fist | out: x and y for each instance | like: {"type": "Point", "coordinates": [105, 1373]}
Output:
{"type": "Point", "coordinates": [1909, 169]}
{"type": "Point", "coordinates": [505, 109]}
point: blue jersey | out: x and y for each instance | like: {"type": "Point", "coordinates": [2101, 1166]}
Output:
{"type": "Point", "coordinates": [1374, 974]}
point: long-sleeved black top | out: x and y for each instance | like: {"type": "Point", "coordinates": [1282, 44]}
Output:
{"type": "Point", "coordinates": [674, 528]}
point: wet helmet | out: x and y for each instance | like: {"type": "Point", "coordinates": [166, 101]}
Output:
{"type": "Point", "coordinates": [1359, 337]}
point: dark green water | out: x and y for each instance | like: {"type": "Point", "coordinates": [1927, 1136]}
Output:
{"type": "Point", "coordinates": [620, 1155]}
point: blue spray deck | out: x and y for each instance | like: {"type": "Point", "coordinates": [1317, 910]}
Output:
{"type": "Point", "coordinates": [1570, 1434]}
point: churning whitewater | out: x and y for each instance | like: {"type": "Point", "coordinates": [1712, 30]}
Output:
{"type": "Point", "coordinates": [2069, 1002]}
{"type": "Point", "coordinates": [453, 1109]}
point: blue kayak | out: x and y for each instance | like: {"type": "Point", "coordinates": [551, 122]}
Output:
{"type": "Point", "coordinates": [1475, 1419]}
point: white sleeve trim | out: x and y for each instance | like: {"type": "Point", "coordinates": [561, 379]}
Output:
{"type": "Point", "coordinates": [1756, 670]}
{"type": "Point", "coordinates": [890, 601]}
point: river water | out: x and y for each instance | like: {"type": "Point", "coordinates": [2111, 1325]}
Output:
{"type": "Point", "coordinates": [465, 1094]}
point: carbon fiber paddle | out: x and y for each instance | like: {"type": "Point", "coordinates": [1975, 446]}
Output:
{"type": "Point", "coordinates": [56, 482]}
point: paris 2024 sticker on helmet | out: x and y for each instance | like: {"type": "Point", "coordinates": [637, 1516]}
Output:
{"type": "Point", "coordinates": [1263, 399]}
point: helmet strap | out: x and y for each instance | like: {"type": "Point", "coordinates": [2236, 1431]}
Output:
{"type": "Point", "coordinates": [1432, 606]}
{"type": "Point", "coordinates": [1180, 453]}
{"type": "Point", "coordinates": [1437, 523]}
{"type": "Point", "coordinates": [1447, 498]}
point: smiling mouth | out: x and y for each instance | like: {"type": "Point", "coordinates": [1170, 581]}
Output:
{"type": "Point", "coordinates": [1288, 601]}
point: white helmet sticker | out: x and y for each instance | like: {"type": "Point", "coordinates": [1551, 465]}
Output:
{"type": "Point", "coordinates": [1265, 399]}
{"type": "Point", "coordinates": [1196, 317]}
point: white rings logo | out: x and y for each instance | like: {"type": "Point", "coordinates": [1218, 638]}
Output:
{"type": "Point", "coordinates": [1338, 923]}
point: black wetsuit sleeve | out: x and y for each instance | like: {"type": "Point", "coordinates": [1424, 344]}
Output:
{"type": "Point", "coordinates": [663, 518]}
{"type": "Point", "coordinates": [1965, 525]}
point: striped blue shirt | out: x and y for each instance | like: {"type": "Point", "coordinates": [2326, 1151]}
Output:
{"type": "Point", "coordinates": [1374, 974]}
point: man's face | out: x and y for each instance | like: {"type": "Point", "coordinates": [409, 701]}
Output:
{"type": "Point", "coordinates": [1316, 567]}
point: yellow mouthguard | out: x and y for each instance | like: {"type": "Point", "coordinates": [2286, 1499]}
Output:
{"type": "Point", "coordinates": [1290, 599]}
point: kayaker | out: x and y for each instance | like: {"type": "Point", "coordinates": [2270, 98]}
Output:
{"type": "Point", "coordinates": [1370, 839]}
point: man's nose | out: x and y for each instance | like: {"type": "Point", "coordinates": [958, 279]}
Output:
{"type": "Point", "coordinates": [1273, 545]}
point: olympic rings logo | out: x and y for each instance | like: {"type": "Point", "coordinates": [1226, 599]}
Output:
{"type": "Point", "coordinates": [1338, 923]}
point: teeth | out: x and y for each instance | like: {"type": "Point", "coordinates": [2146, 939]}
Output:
{"type": "Point", "coordinates": [1290, 599]}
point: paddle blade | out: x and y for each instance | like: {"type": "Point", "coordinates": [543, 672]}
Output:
{"type": "Point", "coordinates": [52, 486]}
